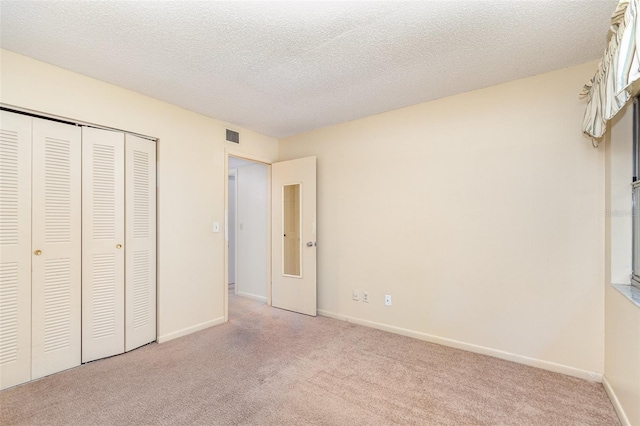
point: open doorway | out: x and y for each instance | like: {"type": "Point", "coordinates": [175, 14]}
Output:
{"type": "Point", "coordinates": [248, 230]}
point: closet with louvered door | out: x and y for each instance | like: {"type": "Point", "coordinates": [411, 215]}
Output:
{"type": "Point", "coordinates": [56, 245]}
{"type": "Point", "coordinates": [40, 243]}
{"type": "Point", "coordinates": [77, 245]}
{"type": "Point", "coordinates": [102, 243]}
{"type": "Point", "coordinates": [119, 243]}
{"type": "Point", "coordinates": [140, 278]}
{"type": "Point", "coordinates": [15, 249]}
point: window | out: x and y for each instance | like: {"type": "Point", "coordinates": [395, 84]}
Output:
{"type": "Point", "coordinates": [635, 185]}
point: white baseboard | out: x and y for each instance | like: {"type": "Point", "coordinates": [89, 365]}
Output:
{"type": "Point", "coordinates": [616, 402]}
{"type": "Point", "coordinates": [521, 359]}
{"type": "Point", "coordinates": [175, 334]}
{"type": "Point", "coordinates": [252, 296]}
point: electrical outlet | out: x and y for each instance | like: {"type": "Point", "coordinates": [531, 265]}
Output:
{"type": "Point", "coordinates": [365, 297]}
{"type": "Point", "coordinates": [387, 300]}
{"type": "Point", "coordinates": [356, 295]}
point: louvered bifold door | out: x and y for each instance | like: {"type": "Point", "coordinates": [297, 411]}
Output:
{"type": "Point", "coordinates": [56, 245]}
{"type": "Point", "coordinates": [102, 243]}
{"type": "Point", "coordinates": [140, 245]}
{"type": "Point", "coordinates": [15, 249]}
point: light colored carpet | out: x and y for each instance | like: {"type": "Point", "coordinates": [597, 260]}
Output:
{"type": "Point", "coordinates": [273, 367]}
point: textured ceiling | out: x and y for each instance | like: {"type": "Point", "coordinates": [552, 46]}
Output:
{"type": "Point", "coordinates": [286, 68]}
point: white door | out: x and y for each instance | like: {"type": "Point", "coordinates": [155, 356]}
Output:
{"type": "Point", "coordinates": [102, 243]}
{"type": "Point", "coordinates": [15, 249]}
{"type": "Point", "coordinates": [56, 245]}
{"type": "Point", "coordinates": [140, 244]}
{"type": "Point", "coordinates": [293, 250]}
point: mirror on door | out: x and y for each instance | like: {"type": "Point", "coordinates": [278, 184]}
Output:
{"type": "Point", "coordinates": [292, 230]}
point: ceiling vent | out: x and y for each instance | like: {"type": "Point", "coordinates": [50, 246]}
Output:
{"type": "Point", "coordinates": [233, 136]}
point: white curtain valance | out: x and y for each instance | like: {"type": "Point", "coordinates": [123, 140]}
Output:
{"type": "Point", "coordinates": [613, 84]}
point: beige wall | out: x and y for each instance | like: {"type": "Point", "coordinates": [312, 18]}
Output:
{"type": "Point", "coordinates": [232, 193]}
{"type": "Point", "coordinates": [190, 178]}
{"type": "Point", "coordinates": [482, 214]}
{"type": "Point", "coordinates": [619, 174]}
{"type": "Point", "coordinates": [622, 354]}
{"type": "Point", "coordinates": [622, 317]}
{"type": "Point", "coordinates": [252, 230]}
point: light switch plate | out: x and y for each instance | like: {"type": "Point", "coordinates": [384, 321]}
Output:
{"type": "Point", "coordinates": [216, 226]}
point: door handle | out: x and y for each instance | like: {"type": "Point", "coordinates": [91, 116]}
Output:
{"type": "Point", "coordinates": [37, 252]}
{"type": "Point", "coordinates": [118, 246]}
{"type": "Point", "coordinates": [310, 244]}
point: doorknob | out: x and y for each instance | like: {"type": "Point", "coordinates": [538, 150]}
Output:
{"type": "Point", "coordinates": [310, 244]}
{"type": "Point", "coordinates": [37, 252]}
{"type": "Point", "coordinates": [118, 246]}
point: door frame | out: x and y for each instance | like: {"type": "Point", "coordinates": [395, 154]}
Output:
{"type": "Point", "coordinates": [225, 279]}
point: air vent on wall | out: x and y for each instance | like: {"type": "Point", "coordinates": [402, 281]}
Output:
{"type": "Point", "coordinates": [233, 136]}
